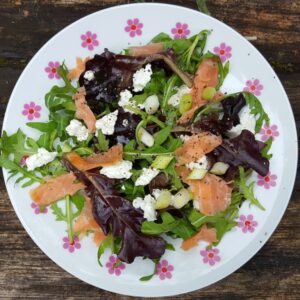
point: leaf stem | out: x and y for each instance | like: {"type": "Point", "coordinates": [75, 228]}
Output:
{"type": "Point", "coordinates": [145, 154]}
{"type": "Point", "coordinates": [69, 220]}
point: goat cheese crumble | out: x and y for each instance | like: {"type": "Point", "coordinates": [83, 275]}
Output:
{"type": "Point", "coordinates": [89, 75]}
{"type": "Point", "coordinates": [125, 97]}
{"type": "Point", "coordinates": [141, 77]}
{"type": "Point", "coordinates": [201, 163]}
{"type": "Point", "coordinates": [247, 121]}
{"type": "Point", "coordinates": [41, 158]}
{"type": "Point", "coordinates": [175, 99]}
{"type": "Point", "coordinates": [147, 205]}
{"type": "Point", "coordinates": [146, 176]}
{"type": "Point", "coordinates": [107, 123]}
{"type": "Point", "coordinates": [78, 130]}
{"type": "Point", "coordinates": [118, 171]}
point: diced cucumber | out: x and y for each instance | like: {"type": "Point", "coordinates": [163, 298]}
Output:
{"type": "Point", "coordinates": [219, 168]}
{"type": "Point", "coordinates": [145, 137]}
{"type": "Point", "coordinates": [163, 200]}
{"type": "Point", "coordinates": [185, 103]}
{"type": "Point", "coordinates": [208, 93]}
{"type": "Point", "coordinates": [181, 198]}
{"type": "Point", "coordinates": [197, 174]}
{"type": "Point", "coordinates": [161, 161]}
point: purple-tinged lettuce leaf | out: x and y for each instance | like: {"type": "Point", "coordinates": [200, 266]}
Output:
{"type": "Point", "coordinates": [231, 108]}
{"type": "Point", "coordinates": [116, 214]}
{"type": "Point", "coordinates": [244, 151]}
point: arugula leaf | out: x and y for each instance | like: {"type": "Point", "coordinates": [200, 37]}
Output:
{"type": "Point", "coordinates": [84, 151]}
{"type": "Point", "coordinates": [257, 110]}
{"type": "Point", "coordinates": [60, 103]}
{"type": "Point", "coordinates": [78, 200]}
{"type": "Point", "coordinates": [161, 136]}
{"type": "Point", "coordinates": [69, 217]}
{"type": "Point", "coordinates": [42, 126]}
{"type": "Point", "coordinates": [156, 84]}
{"type": "Point", "coordinates": [190, 58]}
{"type": "Point", "coordinates": [161, 37]}
{"type": "Point", "coordinates": [148, 277]}
{"type": "Point", "coordinates": [169, 90]}
{"type": "Point", "coordinates": [46, 140]}
{"type": "Point", "coordinates": [17, 145]}
{"type": "Point", "coordinates": [57, 211]}
{"type": "Point", "coordinates": [178, 226]}
{"type": "Point", "coordinates": [247, 189]}
{"type": "Point", "coordinates": [175, 179]}
{"type": "Point", "coordinates": [106, 244]}
{"type": "Point", "coordinates": [103, 143]}
{"type": "Point", "coordinates": [265, 152]}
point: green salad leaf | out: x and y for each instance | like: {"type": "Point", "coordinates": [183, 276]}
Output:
{"type": "Point", "coordinates": [247, 190]}
{"type": "Point", "coordinates": [265, 152]}
{"type": "Point", "coordinates": [257, 110]}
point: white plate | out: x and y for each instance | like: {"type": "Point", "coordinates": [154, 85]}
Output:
{"type": "Point", "coordinates": [180, 271]}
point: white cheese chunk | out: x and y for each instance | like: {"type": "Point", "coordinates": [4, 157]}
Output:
{"type": "Point", "coordinates": [175, 99]}
{"type": "Point", "coordinates": [141, 77]}
{"type": "Point", "coordinates": [247, 121]}
{"type": "Point", "coordinates": [118, 171]}
{"type": "Point", "coordinates": [146, 176]}
{"type": "Point", "coordinates": [78, 130]}
{"type": "Point", "coordinates": [201, 163]}
{"type": "Point", "coordinates": [184, 137]}
{"type": "Point", "coordinates": [146, 138]}
{"type": "Point", "coordinates": [125, 97]}
{"type": "Point", "coordinates": [41, 158]}
{"type": "Point", "coordinates": [89, 75]}
{"type": "Point", "coordinates": [107, 123]}
{"type": "Point", "coordinates": [147, 205]}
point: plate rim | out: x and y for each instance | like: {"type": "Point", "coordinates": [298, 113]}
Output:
{"type": "Point", "coordinates": [249, 251]}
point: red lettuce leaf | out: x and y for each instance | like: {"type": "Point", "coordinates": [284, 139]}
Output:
{"type": "Point", "coordinates": [243, 150]}
{"type": "Point", "coordinates": [231, 108]}
{"type": "Point", "coordinates": [116, 214]}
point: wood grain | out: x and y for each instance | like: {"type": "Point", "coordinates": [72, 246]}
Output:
{"type": "Point", "coordinates": [274, 273]}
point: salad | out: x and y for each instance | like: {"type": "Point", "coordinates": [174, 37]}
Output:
{"type": "Point", "coordinates": [142, 147]}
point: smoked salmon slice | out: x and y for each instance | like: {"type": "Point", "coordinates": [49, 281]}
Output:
{"type": "Point", "coordinates": [80, 67]}
{"type": "Point", "coordinates": [86, 222]}
{"type": "Point", "coordinates": [212, 194]}
{"type": "Point", "coordinates": [196, 146]}
{"type": "Point", "coordinates": [205, 234]}
{"type": "Point", "coordinates": [146, 50]}
{"type": "Point", "coordinates": [83, 111]}
{"type": "Point", "coordinates": [55, 189]}
{"type": "Point", "coordinates": [206, 75]}
{"type": "Point", "coordinates": [108, 158]}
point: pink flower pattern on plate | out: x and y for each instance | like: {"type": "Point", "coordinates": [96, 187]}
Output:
{"type": "Point", "coordinates": [37, 209]}
{"type": "Point", "coordinates": [254, 87]}
{"type": "Point", "coordinates": [223, 51]}
{"type": "Point", "coordinates": [180, 31]}
{"type": "Point", "coordinates": [269, 131]}
{"type": "Point", "coordinates": [247, 223]}
{"type": "Point", "coordinates": [134, 27]}
{"type": "Point", "coordinates": [89, 40]}
{"type": "Point", "coordinates": [71, 247]}
{"type": "Point", "coordinates": [113, 266]}
{"type": "Point", "coordinates": [164, 270]}
{"type": "Point", "coordinates": [210, 256]}
{"type": "Point", "coordinates": [51, 69]}
{"type": "Point", "coordinates": [31, 110]}
{"type": "Point", "coordinates": [268, 181]}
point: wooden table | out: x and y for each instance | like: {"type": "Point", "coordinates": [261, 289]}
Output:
{"type": "Point", "coordinates": [274, 273]}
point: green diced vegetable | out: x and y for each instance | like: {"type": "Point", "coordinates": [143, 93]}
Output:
{"type": "Point", "coordinates": [161, 162]}
{"type": "Point", "coordinates": [185, 103]}
{"type": "Point", "coordinates": [197, 174]}
{"type": "Point", "coordinates": [163, 200]}
{"type": "Point", "coordinates": [219, 168]}
{"type": "Point", "coordinates": [208, 93]}
{"type": "Point", "coordinates": [181, 198]}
